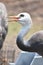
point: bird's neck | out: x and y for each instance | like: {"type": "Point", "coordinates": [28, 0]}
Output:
{"type": "Point", "coordinates": [20, 41]}
{"type": "Point", "coordinates": [24, 31]}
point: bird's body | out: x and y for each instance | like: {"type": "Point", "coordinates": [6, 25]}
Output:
{"type": "Point", "coordinates": [35, 43]}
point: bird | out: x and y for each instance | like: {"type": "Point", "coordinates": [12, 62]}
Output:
{"type": "Point", "coordinates": [35, 42]}
{"type": "Point", "coordinates": [3, 24]}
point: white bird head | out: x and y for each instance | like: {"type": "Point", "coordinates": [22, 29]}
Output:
{"type": "Point", "coordinates": [22, 18]}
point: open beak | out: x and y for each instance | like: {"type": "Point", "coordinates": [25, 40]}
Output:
{"type": "Point", "coordinates": [13, 18]}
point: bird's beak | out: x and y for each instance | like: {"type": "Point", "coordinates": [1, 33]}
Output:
{"type": "Point", "coordinates": [13, 18]}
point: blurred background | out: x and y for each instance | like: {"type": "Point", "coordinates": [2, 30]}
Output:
{"type": "Point", "coordinates": [35, 9]}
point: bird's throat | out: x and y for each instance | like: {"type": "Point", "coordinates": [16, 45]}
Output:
{"type": "Point", "coordinates": [24, 31]}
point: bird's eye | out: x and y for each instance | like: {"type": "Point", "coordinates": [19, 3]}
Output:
{"type": "Point", "coordinates": [21, 15]}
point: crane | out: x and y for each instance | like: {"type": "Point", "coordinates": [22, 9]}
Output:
{"type": "Point", "coordinates": [35, 42]}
